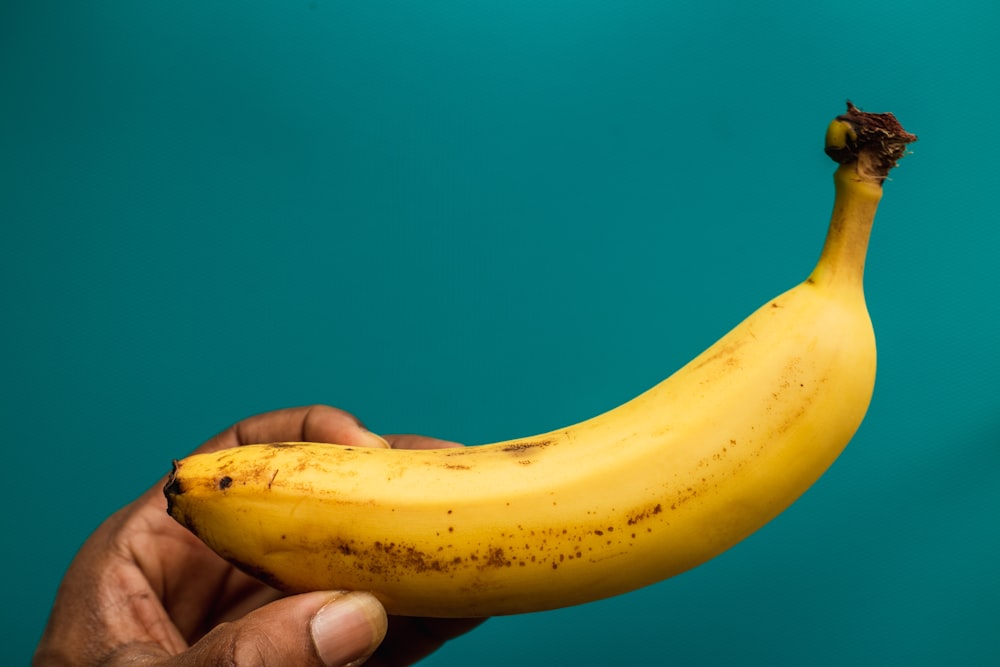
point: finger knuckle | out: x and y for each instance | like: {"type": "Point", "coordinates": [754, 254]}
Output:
{"type": "Point", "coordinates": [242, 646]}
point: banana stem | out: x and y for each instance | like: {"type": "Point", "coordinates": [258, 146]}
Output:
{"type": "Point", "coordinates": [854, 206]}
{"type": "Point", "coordinates": [867, 146]}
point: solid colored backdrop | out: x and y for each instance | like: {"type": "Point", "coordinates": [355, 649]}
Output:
{"type": "Point", "coordinates": [484, 219]}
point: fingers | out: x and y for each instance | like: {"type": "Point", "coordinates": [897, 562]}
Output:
{"type": "Point", "coordinates": [329, 629]}
{"type": "Point", "coordinates": [410, 441]}
{"type": "Point", "coordinates": [316, 423]}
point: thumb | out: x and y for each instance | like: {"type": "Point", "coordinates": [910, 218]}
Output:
{"type": "Point", "coordinates": [322, 628]}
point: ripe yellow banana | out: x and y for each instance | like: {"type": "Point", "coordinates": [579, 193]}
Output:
{"type": "Point", "coordinates": [630, 497]}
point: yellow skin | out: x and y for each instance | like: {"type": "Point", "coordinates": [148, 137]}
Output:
{"type": "Point", "coordinates": [630, 497]}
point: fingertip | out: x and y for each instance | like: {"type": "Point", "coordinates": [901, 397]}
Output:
{"type": "Point", "coordinates": [375, 440]}
{"type": "Point", "coordinates": [411, 441]}
{"type": "Point", "coordinates": [321, 627]}
{"type": "Point", "coordinates": [348, 628]}
{"type": "Point", "coordinates": [323, 423]}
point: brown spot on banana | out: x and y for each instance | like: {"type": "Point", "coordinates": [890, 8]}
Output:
{"type": "Point", "coordinates": [525, 447]}
{"type": "Point", "coordinates": [644, 514]}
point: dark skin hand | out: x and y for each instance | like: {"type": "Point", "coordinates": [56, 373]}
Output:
{"type": "Point", "coordinates": [144, 591]}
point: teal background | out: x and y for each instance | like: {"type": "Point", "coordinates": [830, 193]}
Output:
{"type": "Point", "coordinates": [478, 220]}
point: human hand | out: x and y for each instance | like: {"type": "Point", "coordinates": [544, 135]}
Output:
{"type": "Point", "coordinates": [144, 591]}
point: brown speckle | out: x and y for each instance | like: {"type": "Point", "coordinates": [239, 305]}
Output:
{"type": "Point", "coordinates": [495, 558]}
{"type": "Point", "coordinates": [646, 513]}
{"type": "Point", "coordinates": [524, 446]}
{"type": "Point", "coordinates": [225, 483]}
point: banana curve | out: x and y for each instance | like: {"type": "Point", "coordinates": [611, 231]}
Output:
{"type": "Point", "coordinates": [496, 525]}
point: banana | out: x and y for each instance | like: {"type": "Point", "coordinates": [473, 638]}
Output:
{"type": "Point", "coordinates": [630, 497]}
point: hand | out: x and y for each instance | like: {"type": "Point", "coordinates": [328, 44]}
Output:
{"type": "Point", "coordinates": [145, 591]}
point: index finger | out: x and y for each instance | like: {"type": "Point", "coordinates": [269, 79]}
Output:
{"type": "Point", "coordinates": [314, 423]}
{"type": "Point", "coordinates": [411, 441]}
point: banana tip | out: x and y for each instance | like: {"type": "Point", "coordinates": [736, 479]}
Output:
{"type": "Point", "coordinates": [173, 487]}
